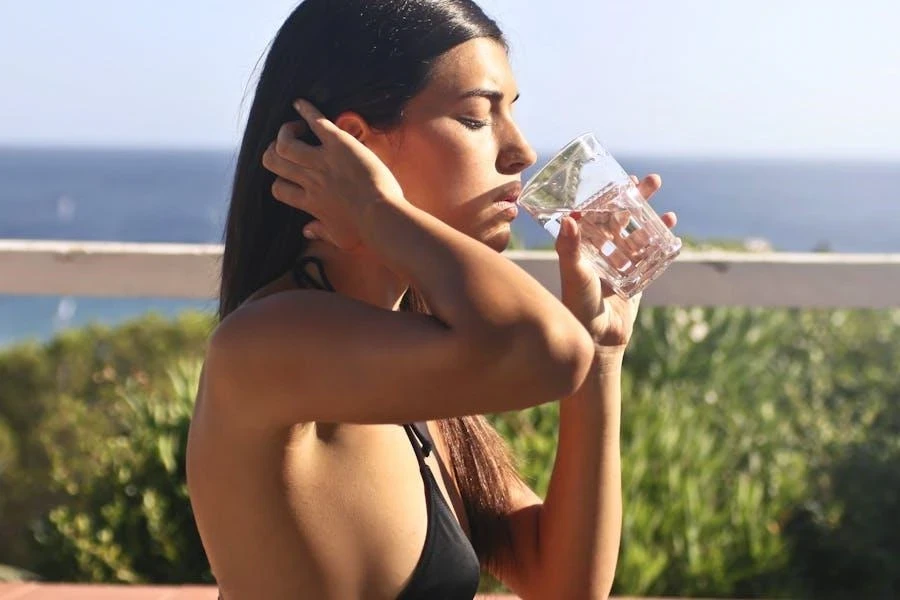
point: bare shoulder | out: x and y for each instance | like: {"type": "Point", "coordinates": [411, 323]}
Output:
{"type": "Point", "coordinates": [280, 305]}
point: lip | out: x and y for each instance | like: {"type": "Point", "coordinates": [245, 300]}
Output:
{"type": "Point", "coordinates": [510, 193]}
{"type": "Point", "coordinates": [508, 208]}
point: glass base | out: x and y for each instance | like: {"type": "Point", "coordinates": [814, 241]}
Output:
{"type": "Point", "coordinates": [646, 272]}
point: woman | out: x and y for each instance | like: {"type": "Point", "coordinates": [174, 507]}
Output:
{"type": "Point", "coordinates": [326, 366]}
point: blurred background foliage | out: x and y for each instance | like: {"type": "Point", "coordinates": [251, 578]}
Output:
{"type": "Point", "coordinates": [761, 454]}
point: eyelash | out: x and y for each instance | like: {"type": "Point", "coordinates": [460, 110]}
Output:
{"type": "Point", "coordinates": [473, 124]}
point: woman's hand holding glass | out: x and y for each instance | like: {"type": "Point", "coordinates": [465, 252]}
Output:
{"type": "Point", "coordinates": [608, 317]}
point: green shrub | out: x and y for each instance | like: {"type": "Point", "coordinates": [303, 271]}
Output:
{"type": "Point", "coordinates": [736, 421]}
{"type": "Point", "coordinates": [79, 372]}
{"type": "Point", "coordinates": [702, 500]}
{"type": "Point", "coordinates": [845, 536]}
{"type": "Point", "coordinates": [126, 516]}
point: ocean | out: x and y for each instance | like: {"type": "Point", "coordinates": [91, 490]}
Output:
{"type": "Point", "coordinates": [181, 196]}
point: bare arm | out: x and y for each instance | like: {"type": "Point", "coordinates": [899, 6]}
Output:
{"type": "Point", "coordinates": [567, 546]}
{"type": "Point", "coordinates": [582, 514]}
{"type": "Point", "coordinates": [497, 341]}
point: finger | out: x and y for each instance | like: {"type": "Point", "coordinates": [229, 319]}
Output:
{"type": "Point", "coordinates": [670, 219]}
{"type": "Point", "coordinates": [311, 231]}
{"type": "Point", "coordinates": [619, 257]}
{"type": "Point", "coordinates": [289, 146]}
{"type": "Point", "coordinates": [567, 241]}
{"type": "Point", "coordinates": [635, 180]}
{"type": "Point", "coordinates": [291, 194]}
{"type": "Point", "coordinates": [294, 129]}
{"type": "Point", "coordinates": [315, 230]}
{"type": "Point", "coordinates": [649, 185]}
{"type": "Point", "coordinates": [634, 246]}
{"type": "Point", "coordinates": [574, 273]}
{"type": "Point", "coordinates": [320, 125]}
{"type": "Point", "coordinates": [297, 128]}
{"type": "Point", "coordinates": [285, 168]}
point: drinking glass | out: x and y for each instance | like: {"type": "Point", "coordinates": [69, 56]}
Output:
{"type": "Point", "coordinates": [625, 240]}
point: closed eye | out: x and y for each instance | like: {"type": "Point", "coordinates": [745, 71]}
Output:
{"type": "Point", "coordinates": [473, 124]}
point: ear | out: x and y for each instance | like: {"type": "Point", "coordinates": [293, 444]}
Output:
{"type": "Point", "coordinates": [355, 125]}
{"type": "Point", "coordinates": [377, 141]}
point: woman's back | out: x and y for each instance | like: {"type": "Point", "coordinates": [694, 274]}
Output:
{"type": "Point", "coordinates": [314, 511]}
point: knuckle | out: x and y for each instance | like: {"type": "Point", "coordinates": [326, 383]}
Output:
{"type": "Point", "coordinates": [282, 146]}
{"type": "Point", "coordinates": [284, 142]}
{"type": "Point", "coordinates": [282, 190]}
{"type": "Point", "coordinates": [296, 128]}
{"type": "Point", "coordinates": [288, 193]}
{"type": "Point", "coordinates": [267, 158]}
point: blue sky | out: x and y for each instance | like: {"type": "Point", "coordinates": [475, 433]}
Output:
{"type": "Point", "coordinates": [798, 78]}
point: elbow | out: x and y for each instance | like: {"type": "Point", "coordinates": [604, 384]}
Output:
{"type": "Point", "coordinates": [570, 352]}
{"type": "Point", "coordinates": [549, 360]}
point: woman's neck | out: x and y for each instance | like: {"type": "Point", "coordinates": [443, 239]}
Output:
{"type": "Point", "coordinates": [358, 275]}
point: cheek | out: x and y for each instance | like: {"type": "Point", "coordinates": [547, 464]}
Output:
{"type": "Point", "coordinates": [441, 172]}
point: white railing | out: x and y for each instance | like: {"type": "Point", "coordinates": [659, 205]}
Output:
{"type": "Point", "coordinates": [108, 269]}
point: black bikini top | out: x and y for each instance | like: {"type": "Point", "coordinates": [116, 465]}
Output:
{"type": "Point", "coordinates": [448, 568]}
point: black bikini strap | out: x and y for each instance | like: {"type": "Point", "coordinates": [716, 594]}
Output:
{"type": "Point", "coordinates": [423, 446]}
{"type": "Point", "coordinates": [305, 280]}
{"type": "Point", "coordinates": [421, 430]}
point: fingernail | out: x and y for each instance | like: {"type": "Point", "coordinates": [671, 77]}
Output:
{"type": "Point", "coordinates": [309, 234]}
{"type": "Point", "coordinates": [298, 105]}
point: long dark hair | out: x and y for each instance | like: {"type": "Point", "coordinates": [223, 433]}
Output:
{"type": "Point", "coordinates": [371, 58]}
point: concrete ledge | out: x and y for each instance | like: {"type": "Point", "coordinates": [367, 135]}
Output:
{"type": "Point", "coordinates": [765, 279]}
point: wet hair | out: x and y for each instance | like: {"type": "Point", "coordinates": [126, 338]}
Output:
{"type": "Point", "coordinates": [370, 57]}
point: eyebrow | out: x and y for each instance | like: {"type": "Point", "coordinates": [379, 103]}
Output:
{"type": "Point", "coordinates": [492, 95]}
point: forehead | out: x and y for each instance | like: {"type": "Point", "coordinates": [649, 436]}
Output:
{"type": "Point", "coordinates": [478, 63]}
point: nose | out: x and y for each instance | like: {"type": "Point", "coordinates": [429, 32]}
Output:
{"type": "Point", "coordinates": [516, 154]}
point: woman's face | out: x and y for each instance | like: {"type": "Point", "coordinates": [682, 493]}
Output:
{"type": "Point", "coordinates": [458, 152]}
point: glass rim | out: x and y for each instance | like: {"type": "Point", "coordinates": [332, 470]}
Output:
{"type": "Point", "coordinates": [576, 140]}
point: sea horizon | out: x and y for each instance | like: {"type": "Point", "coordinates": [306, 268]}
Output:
{"type": "Point", "coordinates": [712, 155]}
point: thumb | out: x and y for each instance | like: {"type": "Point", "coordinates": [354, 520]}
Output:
{"type": "Point", "coordinates": [575, 274]}
{"type": "Point", "coordinates": [567, 243]}
{"type": "Point", "coordinates": [568, 246]}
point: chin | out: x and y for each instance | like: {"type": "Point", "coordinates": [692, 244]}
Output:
{"type": "Point", "coordinates": [497, 240]}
